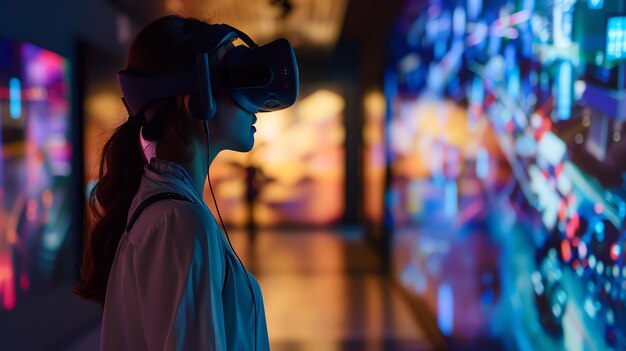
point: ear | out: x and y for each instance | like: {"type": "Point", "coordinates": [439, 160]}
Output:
{"type": "Point", "coordinates": [194, 106]}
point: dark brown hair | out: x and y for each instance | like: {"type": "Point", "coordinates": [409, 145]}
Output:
{"type": "Point", "coordinates": [164, 46]}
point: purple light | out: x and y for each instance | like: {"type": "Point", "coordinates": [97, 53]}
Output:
{"type": "Point", "coordinates": [582, 249]}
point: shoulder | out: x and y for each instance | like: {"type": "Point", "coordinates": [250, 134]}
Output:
{"type": "Point", "coordinates": [179, 232]}
{"type": "Point", "coordinates": [165, 220]}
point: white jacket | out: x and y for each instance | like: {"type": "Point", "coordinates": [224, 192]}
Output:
{"type": "Point", "coordinates": [175, 283]}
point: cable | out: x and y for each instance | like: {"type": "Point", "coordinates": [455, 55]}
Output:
{"type": "Point", "coordinates": [208, 157]}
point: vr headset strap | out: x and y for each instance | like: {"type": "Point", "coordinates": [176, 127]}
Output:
{"type": "Point", "coordinates": [138, 91]}
{"type": "Point", "coordinates": [149, 201]}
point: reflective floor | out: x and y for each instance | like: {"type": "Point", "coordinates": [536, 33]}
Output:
{"type": "Point", "coordinates": [323, 291]}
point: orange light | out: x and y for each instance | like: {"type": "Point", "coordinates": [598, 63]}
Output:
{"type": "Point", "coordinates": [31, 209]}
{"type": "Point", "coordinates": [562, 210]}
{"type": "Point", "coordinates": [11, 236]}
{"type": "Point", "coordinates": [46, 198]}
{"type": "Point", "coordinates": [36, 94]}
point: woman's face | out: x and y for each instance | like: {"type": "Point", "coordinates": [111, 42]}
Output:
{"type": "Point", "coordinates": [232, 127]}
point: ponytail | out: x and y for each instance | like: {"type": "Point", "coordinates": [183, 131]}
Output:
{"type": "Point", "coordinates": [121, 168]}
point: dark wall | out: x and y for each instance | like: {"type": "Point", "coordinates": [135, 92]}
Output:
{"type": "Point", "coordinates": [339, 70]}
{"type": "Point", "coordinates": [367, 26]}
{"type": "Point", "coordinates": [56, 25]}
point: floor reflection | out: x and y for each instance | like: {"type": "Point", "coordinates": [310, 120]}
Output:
{"type": "Point", "coordinates": [323, 291]}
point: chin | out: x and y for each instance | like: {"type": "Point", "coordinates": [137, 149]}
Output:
{"type": "Point", "coordinates": [245, 146]}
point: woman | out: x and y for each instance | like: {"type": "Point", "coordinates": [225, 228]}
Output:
{"type": "Point", "coordinates": [171, 280]}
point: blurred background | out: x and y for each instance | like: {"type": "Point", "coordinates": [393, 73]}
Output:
{"type": "Point", "coordinates": [451, 177]}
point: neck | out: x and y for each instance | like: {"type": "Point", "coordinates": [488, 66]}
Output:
{"type": "Point", "coordinates": [197, 167]}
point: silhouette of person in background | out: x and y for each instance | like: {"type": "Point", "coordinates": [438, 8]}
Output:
{"type": "Point", "coordinates": [255, 179]}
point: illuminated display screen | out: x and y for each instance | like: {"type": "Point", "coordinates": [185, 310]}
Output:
{"type": "Point", "coordinates": [35, 170]}
{"type": "Point", "coordinates": [595, 4]}
{"type": "Point", "coordinates": [507, 170]}
{"type": "Point", "coordinates": [616, 38]}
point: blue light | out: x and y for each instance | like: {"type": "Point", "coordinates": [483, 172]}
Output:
{"type": "Point", "coordinates": [390, 88]}
{"type": "Point", "coordinates": [451, 207]}
{"type": "Point", "coordinates": [487, 278]}
{"type": "Point", "coordinates": [510, 57]}
{"type": "Point", "coordinates": [595, 4]}
{"type": "Point", "coordinates": [477, 94]}
{"type": "Point", "coordinates": [564, 101]}
{"type": "Point", "coordinates": [15, 98]}
{"type": "Point", "coordinates": [616, 38]}
{"type": "Point", "coordinates": [514, 83]}
{"type": "Point", "coordinates": [441, 49]}
{"type": "Point", "coordinates": [445, 309]}
{"type": "Point", "coordinates": [486, 298]}
{"type": "Point", "coordinates": [599, 227]}
{"type": "Point", "coordinates": [482, 163]}
{"type": "Point", "coordinates": [458, 21]}
{"type": "Point", "coordinates": [474, 7]}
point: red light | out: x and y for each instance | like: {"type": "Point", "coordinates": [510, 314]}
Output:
{"type": "Point", "coordinates": [616, 250]}
{"type": "Point", "coordinates": [572, 226]}
{"type": "Point", "coordinates": [562, 210]}
{"type": "Point", "coordinates": [558, 170]}
{"type": "Point", "coordinates": [571, 199]}
{"type": "Point", "coordinates": [489, 100]}
{"type": "Point", "coordinates": [7, 290]}
{"type": "Point", "coordinates": [539, 134]}
{"type": "Point", "coordinates": [509, 126]}
{"type": "Point", "coordinates": [566, 250]}
{"type": "Point", "coordinates": [575, 221]}
{"type": "Point", "coordinates": [547, 124]}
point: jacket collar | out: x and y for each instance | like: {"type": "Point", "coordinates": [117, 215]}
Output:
{"type": "Point", "coordinates": [165, 176]}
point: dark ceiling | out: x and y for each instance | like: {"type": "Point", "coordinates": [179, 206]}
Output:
{"type": "Point", "coordinates": [365, 29]}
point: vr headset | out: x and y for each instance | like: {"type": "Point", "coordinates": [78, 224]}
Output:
{"type": "Point", "coordinates": [258, 78]}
